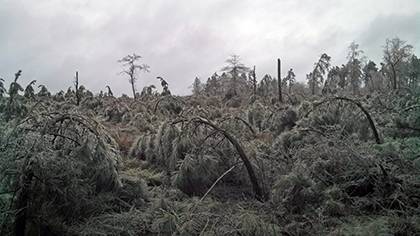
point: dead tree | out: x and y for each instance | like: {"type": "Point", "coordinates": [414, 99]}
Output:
{"type": "Point", "coordinates": [254, 82]}
{"type": "Point", "coordinates": [279, 79]}
{"type": "Point", "coordinates": [76, 85]}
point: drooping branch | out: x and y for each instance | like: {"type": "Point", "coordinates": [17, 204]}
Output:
{"type": "Point", "coordinates": [74, 118]}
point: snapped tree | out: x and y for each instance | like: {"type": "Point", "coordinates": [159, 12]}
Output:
{"type": "Point", "coordinates": [279, 80]}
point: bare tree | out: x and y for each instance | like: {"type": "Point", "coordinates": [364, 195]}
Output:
{"type": "Point", "coordinates": [76, 86]}
{"type": "Point", "coordinates": [396, 52]}
{"type": "Point", "coordinates": [129, 62]}
{"type": "Point", "coordinates": [279, 80]}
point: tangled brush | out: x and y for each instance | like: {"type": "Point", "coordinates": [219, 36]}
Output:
{"type": "Point", "coordinates": [66, 170]}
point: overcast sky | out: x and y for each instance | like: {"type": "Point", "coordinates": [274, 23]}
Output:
{"type": "Point", "coordinates": [51, 39]}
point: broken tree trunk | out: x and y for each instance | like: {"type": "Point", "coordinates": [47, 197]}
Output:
{"type": "Point", "coordinates": [279, 80]}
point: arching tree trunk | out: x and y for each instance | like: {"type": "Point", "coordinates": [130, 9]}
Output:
{"type": "Point", "coordinates": [368, 117]}
{"type": "Point", "coordinates": [360, 106]}
{"type": "Point", "coordinates": [254, 181]}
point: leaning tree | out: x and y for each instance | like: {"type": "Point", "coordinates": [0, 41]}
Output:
{"type": "Point", "coordinates": [317, 75]}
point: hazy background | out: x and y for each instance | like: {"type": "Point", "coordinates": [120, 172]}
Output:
{"type": "Point", "coordinates": [51, 39]}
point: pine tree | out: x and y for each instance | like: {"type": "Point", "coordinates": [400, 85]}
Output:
{"type": "Point", "coordinates": [235, 67]}
{"type": "Point", "coordinates": [197, 86]}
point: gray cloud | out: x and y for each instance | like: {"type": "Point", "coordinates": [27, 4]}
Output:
{"type": "Point", "coordinates": [407, 27]}
{"type": "Point", "coordinates": [50, 40]}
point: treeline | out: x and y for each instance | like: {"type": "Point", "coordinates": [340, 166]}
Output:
{"type": "Point", "coordinates": [399, 69]}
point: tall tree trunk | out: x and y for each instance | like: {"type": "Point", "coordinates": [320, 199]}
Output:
{"type": "Point", "coordinates": [394, 78]}
{"type": "Point", "coordinates": [313, 84]}
{"type": "Point", "coordinates": [132, 87]}
{"type": "Point", "coordinates": [290, 88]}
{"type": "Point", "coordinates": [254, 82]}
{"type": "Point", "coordinates": [279, 79]}
{"type": "Point", "coordinates": [234, 80]}
{"type": "Point", "coordinates": [76, 84]}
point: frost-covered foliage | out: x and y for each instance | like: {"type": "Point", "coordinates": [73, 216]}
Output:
{"type": "Point", "coordinates": [68, 166]}
{"type": "Point", "coordinates": [230, 160]}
